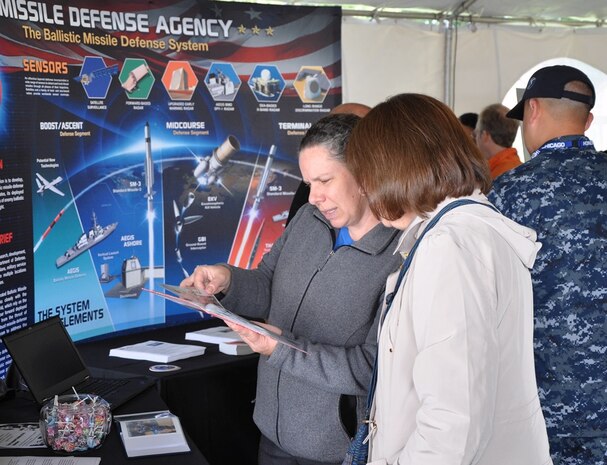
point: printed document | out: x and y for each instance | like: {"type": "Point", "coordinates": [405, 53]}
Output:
{"type": "Point", "coordinates": [151, 433]}
{"type": "Point", "coordinates": [20, 436]}
{"type": "Point", "coordinates": [201, 301]}
{"type": "Point", "coordinates": [29, 460]}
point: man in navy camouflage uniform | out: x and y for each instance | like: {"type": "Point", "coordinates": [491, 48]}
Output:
{"type": "Point", "coordinates": [562, 194]}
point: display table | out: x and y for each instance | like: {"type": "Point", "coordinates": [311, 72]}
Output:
{"type": "Point", "coordinates": [212, 394]}
{"type": "Point", "coordinates": [22, 409]}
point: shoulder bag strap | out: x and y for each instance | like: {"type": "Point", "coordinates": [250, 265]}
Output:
{"type": "Point", "coordinates": [403, 272]}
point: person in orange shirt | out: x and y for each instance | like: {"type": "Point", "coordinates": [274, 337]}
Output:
{"type": "Point", "coordinates": [494, 135]}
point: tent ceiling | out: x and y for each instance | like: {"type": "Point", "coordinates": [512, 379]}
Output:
{"type": "Point", "coordinates": [534, 12]}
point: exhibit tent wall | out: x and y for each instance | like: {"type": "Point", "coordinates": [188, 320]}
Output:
{"type": "Point", "coordinates": [381, 59]}
{"type": "Point", "coordinates": [387, 57]}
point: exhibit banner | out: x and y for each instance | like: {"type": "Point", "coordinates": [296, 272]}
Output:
{"type": "Point", "coordinates": [138, 140]}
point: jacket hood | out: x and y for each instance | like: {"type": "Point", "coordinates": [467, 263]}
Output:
{"type": "Point", "coordinates": [522, 240]}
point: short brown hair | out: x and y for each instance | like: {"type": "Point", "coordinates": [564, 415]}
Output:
{"type": "Point", "coordinates": [410, 153]}
{"type": "Point", "coordinates": [502, 129]}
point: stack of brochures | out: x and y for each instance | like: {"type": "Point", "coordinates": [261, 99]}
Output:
{"type": "Point", "coordinates": [151, 433]}
{"type": "Point", "coordinates": [157, 351]}
{"type": "Point", "coordinates": [229, 341]}
{"type": "Point", "coordinates": [215, 335]}
{"type": "Point", "coordinates": [235, 348]}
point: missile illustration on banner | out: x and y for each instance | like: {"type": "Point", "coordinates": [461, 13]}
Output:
{"type": "Point", "coordinates": [50, 226]}
{"type": "Point", "coordinates": [210, 167]}
{"type": "Point", "coordinates": [255, 246]}
{"type": "Point", "coordinates": [252, 214]}
{"type": "Point", "coordinates": [149, 164]}
{"type": "Point", "coordinates": [149, 195]}
{"type": "Point", "coordinates": [264, 179]}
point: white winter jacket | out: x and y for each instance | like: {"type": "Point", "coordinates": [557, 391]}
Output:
{"type": "Point", "coordinates": [456, 379]}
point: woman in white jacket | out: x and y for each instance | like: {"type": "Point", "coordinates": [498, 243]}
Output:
{"type": "Point", "coordinates": [455, 371]}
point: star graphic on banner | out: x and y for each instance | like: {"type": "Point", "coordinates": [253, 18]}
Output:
{"type": "Point", "coordinates": [217, 11]}
{"type": "Point", "coordinates": [253, 14]}
{"type": "Point", "coordinates": [255, 30]}
{"type": "Point", "coordinates": [242, 29]}
{"type": "Point", "coordinates": [269, 31]}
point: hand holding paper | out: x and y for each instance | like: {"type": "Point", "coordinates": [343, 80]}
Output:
{"type": "Point", "coordinates": [201, 301]}
{"type": "Point", "coordinates": [211, 278]}
{"type": "Point", "coordinates": [260, 343]}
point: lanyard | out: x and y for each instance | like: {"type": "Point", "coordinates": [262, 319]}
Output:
{"type": "Point", "coordinates": [577, 142]}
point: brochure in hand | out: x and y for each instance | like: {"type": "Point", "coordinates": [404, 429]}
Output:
{"type": "Point", "coordinates": [201, 301]}
{"type": "Point", "coordinates": [151, 433]}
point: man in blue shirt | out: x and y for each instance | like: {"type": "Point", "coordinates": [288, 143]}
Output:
{"type": "Point", "coordinates": [562, 194]}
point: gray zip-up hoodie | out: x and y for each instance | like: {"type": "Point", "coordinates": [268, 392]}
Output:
{"type": "Point", "coordinates": [327, 300]}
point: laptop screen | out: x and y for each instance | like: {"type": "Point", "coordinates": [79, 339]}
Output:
{"type": "Point", "coordinates": [46, 357]}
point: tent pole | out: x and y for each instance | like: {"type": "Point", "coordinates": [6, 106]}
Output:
{"type": "Point", "coordinates": [449, 65]}
{"type": "Point", "coordinates": [450, 29]}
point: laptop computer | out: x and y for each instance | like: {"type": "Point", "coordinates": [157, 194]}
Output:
{"type": "Point", "coordinates": [50, 364]}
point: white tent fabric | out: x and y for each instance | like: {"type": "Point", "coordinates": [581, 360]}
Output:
{"type": "Point", "coordinates": [384, 58]}
{"type": "Point", "coordinates": [536, 11]}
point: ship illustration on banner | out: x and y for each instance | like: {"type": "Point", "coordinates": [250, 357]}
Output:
{"type": "Point", "coordinates": [94, 236]}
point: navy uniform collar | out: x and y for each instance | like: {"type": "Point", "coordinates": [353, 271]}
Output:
{"type": "Point", "coordinates": [565, 142]}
